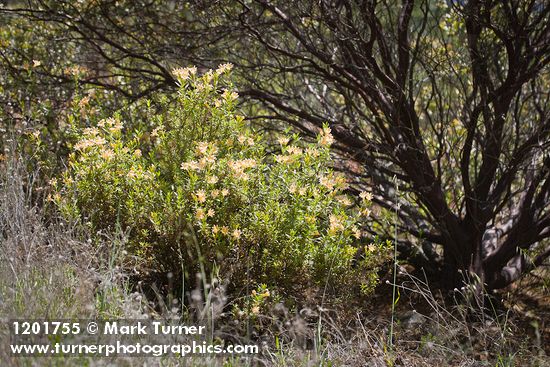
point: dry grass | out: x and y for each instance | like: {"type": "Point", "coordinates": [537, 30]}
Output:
{"type": "Point", "coordinates": [426, 334]}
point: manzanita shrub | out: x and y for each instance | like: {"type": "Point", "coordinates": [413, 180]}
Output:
{"type": "Point", "coordinates": [199, 192]}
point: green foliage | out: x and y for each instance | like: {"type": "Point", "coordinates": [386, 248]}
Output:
{"type": "Point", "coordinates": [200, 192]}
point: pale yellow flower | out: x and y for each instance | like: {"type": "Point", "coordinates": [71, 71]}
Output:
{"type": "Point", "coordinates": [365, 195]}
{"type": "Point", "coordinates": [107, 154]}
{"type": "Point", "coordinates": [212, 180]}
{"type": "Point", "coordinates": [91, 131]}
{"type": "Point", "coordinates": [156, 131]}
{"type": "Point", "coordinates": [132, 174]}
{"type": "Point", "coordinates": [356, 232]}
{"type": "Point", "coordinates": [236, 234]}
{"type": "Point", "coordinates": [224, 68]}
{"type": "Point", "coordinates": [184, 73]}
{"type": "Point", "coordinates": [87, 143]}
{"type": "Point", "coordinates": [341, 182]}
{"type": "Point", "coordinates": [210, 213]}
{"type": "Point", "coordinates": [292, 188]}
{"type": "Point", "coordinates": [99, 141]}
{"type": "Point", "coordinates": [202, 148]}
{"type": "Point", "coordinates": [200, 214]}
{"type": "Point", "coordinates": [215, 193]}
{"type": "Point", "coordinates": [208, 77]}
{"type": "Point", "coordinates": [325, 137]}
{"type": "Point", "coordinates": [294, 150]}
{"type": "Point", "coordinates": [180, 73]}
{"type": "Point", "coordinates": [82, 144]}
{"type": "Point", "coordinates": [117, 127]}
{"type": "Point", "coordinates": [248, 163]}
{"type": "Point", "coordinates": [189, 166]}
{"type": "Point", "coordinates": [239, 166]}
{"type": "Point", "coordinates": [215, 229]}
{"type": "Point", "coordinates": [327, 182]}
{"type": "Point", "coordinates": [283, 140]}
{"type": "Point", "coordinates": [344, 200]}
{"type": "Point", "coordinates": [106, 122]}
{"type": "Point", "coordinates": [229, 96]}
{"type": "Point", "coordinates": [225, 192]}
{"type": "Point", "coordinates": [312, 152]}
{"type": "Point", "coordinates": [224, 230]}
{"type": "Point", "coordinates": [284, 159]}
{"type": "Point", "coordinates": [137, 153]}
{"type": "Point", "coordinates": [200, 195]}
{"type": "Point", "coordinates": [335, 224]}
{"type": "Point", "coordinates": [148, 175]}
{"type": "Point", "coordinates": [84, 102]}
{"type": "Point", "coordinates": [210, 159]}
{"type": "Point", "coordinates": [205, 86]}
{"type": "Point", "coordinates": [203, 162]}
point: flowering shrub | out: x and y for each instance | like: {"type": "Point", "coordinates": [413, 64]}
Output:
{"type": "Point", "coordinates": [199, 192]}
